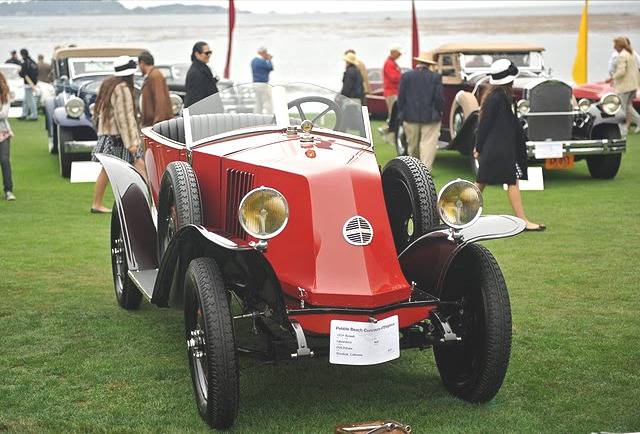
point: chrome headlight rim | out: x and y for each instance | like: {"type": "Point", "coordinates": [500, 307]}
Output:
{"type": "Point", "coordinates": [176, 103]}
{"type": "Point", "coordinates": [603, 103]}
{"type": "Point", "coordinates": [441, 212]}
{"type": "Point", "coordinates": [584, 105]}
{"type": "Point", "coordinates": [523, 106]}
{"type": "Point", "coordinates": [74, 100]}
{"type": "Point", "coordinates": [284, 222]}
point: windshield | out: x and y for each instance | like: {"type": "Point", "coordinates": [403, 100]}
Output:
{"type": "Point", "coordinates": [10, 72]}
{"type": "Point", "coordinates": [252, 105]}
{"type": "Point", "coordinates": [80, 66]}
{"type": "Point", "coordinates": [531, 60]}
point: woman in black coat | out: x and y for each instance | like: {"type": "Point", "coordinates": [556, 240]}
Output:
{"type": "Point", "coordinates": [200, 82]}
{"type": "Point", "coordinates": [352, 79]}
{"type": "Point", "coordinates": [500, 142]}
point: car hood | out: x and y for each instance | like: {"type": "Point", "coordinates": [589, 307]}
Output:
{"type": "Point", "coordinates": [325, 186]}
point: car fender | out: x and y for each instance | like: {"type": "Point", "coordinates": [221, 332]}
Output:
{"type": "Point", "coordinates": [464, 140]}
{"type": "Point", "coordinates": [600, 119]}
{"type": "Point", "coordinates": [60, 118]}
{"type": "Point", "coordinates": [427, 260]}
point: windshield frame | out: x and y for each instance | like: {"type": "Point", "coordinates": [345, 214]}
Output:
{"type": "Point", "coordinates": [72, 69]}
{"type": "Point", "coordinates": [282, 117]}
{"type": "Point", "coordinates": [536, 63]}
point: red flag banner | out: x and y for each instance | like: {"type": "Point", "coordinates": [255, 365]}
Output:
{"type": "Point", "coordinates": [232, 24]}
{"type": "Point", "coordinates": [415, 36]}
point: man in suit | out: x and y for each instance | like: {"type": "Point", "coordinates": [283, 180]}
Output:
{"type": "Point", "coordinates": [420, 108]}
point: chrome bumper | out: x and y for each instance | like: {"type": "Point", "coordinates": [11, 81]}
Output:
{"type": "Point", "coordinates": [583, 147]}
{"type": "Point", "coordinates": [79, 146]}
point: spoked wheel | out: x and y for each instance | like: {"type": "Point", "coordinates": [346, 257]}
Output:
{"type": "Point", "coordinates": [211, 347]}
{"type": "Point", "coordinates": [411, 200]}
{"type": "Point", "coordinates": [474, 369]}
{"type": "Point", "coordinates": [179, 203]}
{"type": "Point", "coordinates": [401, 141]}
{"type": "Point", "coordinates": [127, 294]}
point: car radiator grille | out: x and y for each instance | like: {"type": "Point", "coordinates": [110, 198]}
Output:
{"type": "Point", "coordinates": [550, 96]}
{"type": "Point", "coordinates": [239, 183]}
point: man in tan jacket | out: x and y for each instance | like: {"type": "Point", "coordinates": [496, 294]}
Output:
{"type": "Point", "coordinates": [626, 80]}
{"type": "Point", "coordinates": [156, 105]}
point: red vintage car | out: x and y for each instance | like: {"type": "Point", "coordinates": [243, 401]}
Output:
{"type": "Point", "coordinates": [376, 103]}
{"type": "Point", "coordinates": [595, 91]}
{"type": "Point", "coordinates": [559, 130]}
{"type": "Point", "coordinates": [281, 223]}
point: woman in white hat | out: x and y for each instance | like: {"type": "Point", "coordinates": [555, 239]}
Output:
{"type": "Point", "coordinates": [352, 86]}
{"type": "Point", "coordinates": [500, 141]}
{"type": "Point", "coordinates": [115, 119]}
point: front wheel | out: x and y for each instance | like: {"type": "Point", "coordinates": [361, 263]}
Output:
{"type": "Point", "coordinates": [64, 135]}
{"type": "Point", "coordinates": [127, 294]}
{"type": "Point", "coordinates": [211, 349]}
{"type": "Point", "coordinates": [478, 312]}
{"type": "Point", "coordinates": [605, 166]}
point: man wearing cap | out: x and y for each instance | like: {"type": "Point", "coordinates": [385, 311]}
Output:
{"type": "Point", "coordinates": [156, 105]}
{"type": "Point", "coordinates": [420, 109]}
{"type": "Point", "coordinates": [261, 66]}
{"type": "Point", "coordinates": [391, 74]}
{"type": "Point", "coordinates": [352, 79]}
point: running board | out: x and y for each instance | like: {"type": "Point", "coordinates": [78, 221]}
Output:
{"type": "Point", "coordinates": [144, 280]}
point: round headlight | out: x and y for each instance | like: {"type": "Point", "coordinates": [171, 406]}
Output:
{"type": "Point", "coordinates": [176, 104]}
{"type": "Point", "coordinates": [523, 106]}
{"type": "Point", "coordinates": [74, 107]}
{"type": "Point", "coordinates": [459, 203]}
{"type": "Point", "coordinates": [610, 103]}
{"type": "Point", "coordinates": [263, 213]}
{"type": "Point", "coordinates": [584, 105]}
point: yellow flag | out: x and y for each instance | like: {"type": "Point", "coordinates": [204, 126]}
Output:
{"type": "Point", "coordinates": [580, 63]}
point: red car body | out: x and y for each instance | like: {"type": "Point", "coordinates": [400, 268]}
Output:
{"type": "Point", "coordinates": [595, 91]}
{"type": "Point", "coordinates": [316, 268]}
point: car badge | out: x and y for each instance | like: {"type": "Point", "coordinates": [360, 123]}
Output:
{"type": "Point", "coordinates": [357, 231]}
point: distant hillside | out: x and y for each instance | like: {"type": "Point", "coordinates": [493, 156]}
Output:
{"type": "Point", "coordinates": [104, 7]}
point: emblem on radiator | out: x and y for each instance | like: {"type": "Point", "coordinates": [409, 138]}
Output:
{"type": "Point", "coordinates": [357, 231]}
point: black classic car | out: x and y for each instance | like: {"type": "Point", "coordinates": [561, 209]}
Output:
{"type": "Point", "coordinates": [559, 129]}
{"type": "Point", "coordinates": [78, 74]}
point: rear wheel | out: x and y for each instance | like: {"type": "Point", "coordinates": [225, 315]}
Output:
{"type": "Point", "coordinates": [179, 202]}
{"type": "Point", "coordinates": [211, 348]}
{"type": "Point", "coordinates": [127, 294]}
{"type": "Point", "coordinates": [411, 199]}
{"type": "Point", "coordinates": [64, 135]}
{"type": "Point", "coordinates": [605, 166]}
{"type": "Point", "coordinates": [474, 369]}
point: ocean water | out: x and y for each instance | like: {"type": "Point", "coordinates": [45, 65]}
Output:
{"type": "Point", "coordinates": [308, 47]}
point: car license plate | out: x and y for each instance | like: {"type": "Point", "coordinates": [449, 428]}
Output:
{"type": "Point", "coordinates": [364, 343]}
{"type": "Point", "coordinates": [565, 162]}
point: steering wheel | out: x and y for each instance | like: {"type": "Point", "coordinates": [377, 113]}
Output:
{"type": "Point", "coordinates": [332, 106]}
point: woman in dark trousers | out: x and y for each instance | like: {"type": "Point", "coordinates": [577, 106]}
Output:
{"type": "Point", "coordinates": [200, 82]}
{"type": "Point", "coordinates": [5, 139]}
{"type": "Point", "coordinates": [500, 148]}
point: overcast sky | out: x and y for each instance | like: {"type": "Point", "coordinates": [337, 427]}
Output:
{"type": "Point", "coordinates": [297, 6]}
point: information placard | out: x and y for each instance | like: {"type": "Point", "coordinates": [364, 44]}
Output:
{"type": "Point", "coordinates": [364, 343]}
{"type": "Point", "coordinates": [548, 150]}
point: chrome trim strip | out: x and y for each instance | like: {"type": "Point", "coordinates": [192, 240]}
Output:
{"type": "Point", "coordinates": [571, 113]}
{"type": "Point", "coordinates": [79, 146]}
{"type": "Point", "coordinates": [584, 147]}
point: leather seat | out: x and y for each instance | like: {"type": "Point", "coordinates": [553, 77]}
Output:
{"type": "Point", "coordinates": [208, 125]}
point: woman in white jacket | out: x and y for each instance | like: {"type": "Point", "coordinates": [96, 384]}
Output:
{"type": "Point", "coordinates": [5, 138]}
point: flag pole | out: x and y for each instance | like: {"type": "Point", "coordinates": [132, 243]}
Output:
{"type": "Point", "coordinates": [232, 24]}
{"type": "Point", "coordinates": [580, 64]}
{"type": "Point", "coordinates": [415, 36]}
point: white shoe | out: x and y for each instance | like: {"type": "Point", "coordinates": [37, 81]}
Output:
{"type": "Point", "coordinates": [9, 196]}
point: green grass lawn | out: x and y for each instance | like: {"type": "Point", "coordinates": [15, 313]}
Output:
{"type": "Point", "coordinates": [72, 360]}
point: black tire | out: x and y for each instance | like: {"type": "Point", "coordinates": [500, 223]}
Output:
{"type": "Point", "coordinates": [401, 141]}
{"type": "Point", "coordinates": [474, 369]}
{"type": "Point", "coordinates": [211, 347]}
{"type": "Point", "coordinates": [605, 166]}
{"type": "Point", "coordinates": [411, 200]}
{"type": "Point", "coordinates": [179, 202]}
{"type": "Point", "coordinates": [127, 294]}
{"type": "Point", "coordinates": [65, 159]}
